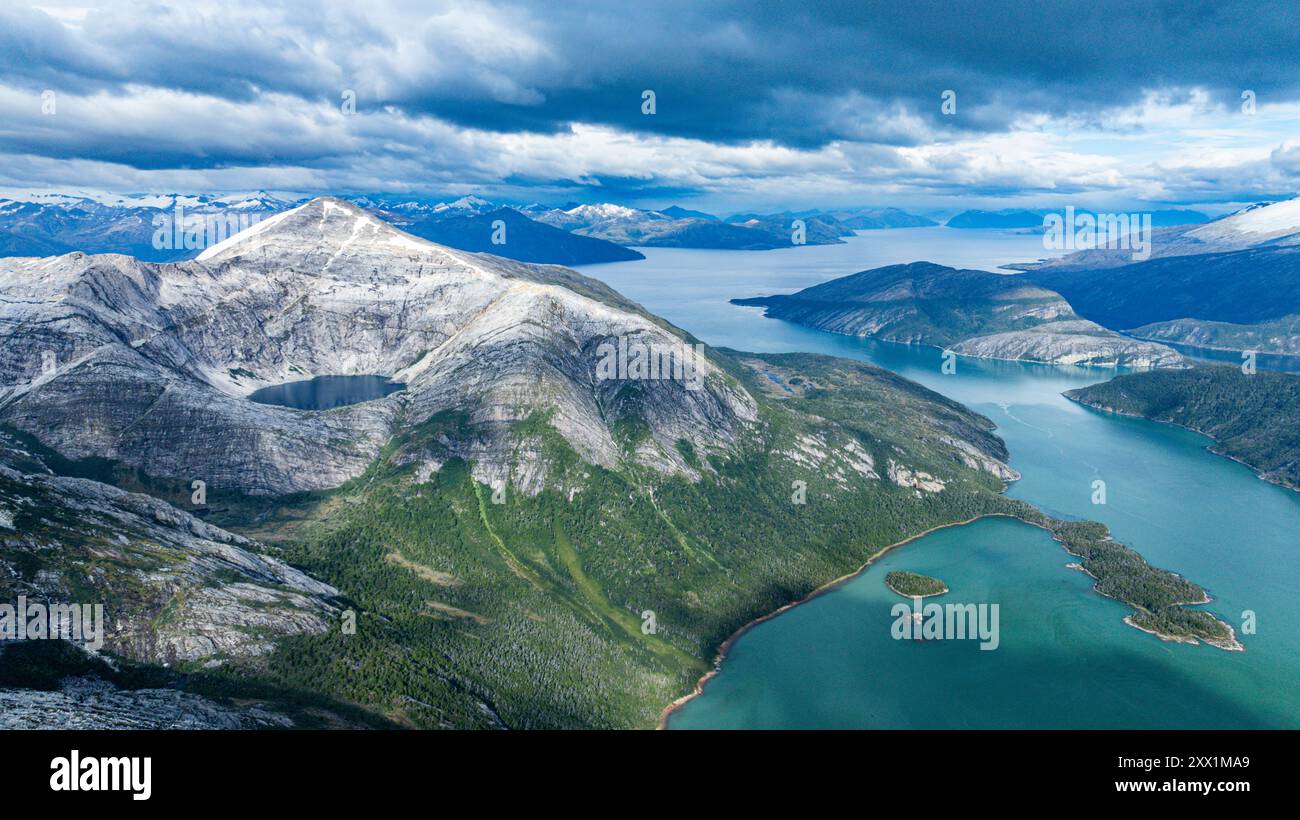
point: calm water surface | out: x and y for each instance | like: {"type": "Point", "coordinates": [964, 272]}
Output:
{"type": "Point", "coordinates": [326, 392]}
{"type": "Point", "coordinates": [1066, 658]}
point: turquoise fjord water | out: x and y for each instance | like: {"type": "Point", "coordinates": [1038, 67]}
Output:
{"type": "Point", "coordinates": [1065, 658]}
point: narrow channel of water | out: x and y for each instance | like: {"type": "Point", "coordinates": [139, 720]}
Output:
{"type": "Point", "coordinates": [1066, 659]}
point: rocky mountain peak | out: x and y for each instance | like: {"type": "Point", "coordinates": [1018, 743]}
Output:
{"type": "Point", "coordinates": [170, 352]}
{"type": "Point", "coordinates": [326, 226]}
{"type": "Point", "coordinates": [1258, 223]}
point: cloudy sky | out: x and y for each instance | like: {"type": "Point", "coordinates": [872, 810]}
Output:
{"type": "Point", "coordinates": [758, 105]}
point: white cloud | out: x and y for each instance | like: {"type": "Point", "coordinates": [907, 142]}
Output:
{"type": "Point", "coordinates": [230, 96]}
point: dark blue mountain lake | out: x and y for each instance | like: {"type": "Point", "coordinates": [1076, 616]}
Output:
{"type": "Point", "coordinates": [326, 392]}
{"type": "Point", "coordinates": [1066, 657]}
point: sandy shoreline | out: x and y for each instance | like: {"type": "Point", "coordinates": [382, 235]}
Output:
{"type": "Point", "coordinates": [721, 656]}
{"type": "Point", "coordinates": [1232, 645]}
{"type": "Point", "coordinates": [824, 588]}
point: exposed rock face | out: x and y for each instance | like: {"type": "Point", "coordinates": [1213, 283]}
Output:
{"type": "Point", "coordinates": [946, 428]}
{"type": "Point", "coordinates": [972, 312]}
{"type": "Point", "coordinates": [172, 586]}
{"type": "Point", "coordinates": [1071, 342]}
{"type": "Point", "coordinates": [152, 362]}
{"type": "Point", "coordinates": [86, 703]}
{"type": "Point", "coordinates": [919, 481]}
{"type": "Point", "coordinates": [1278, 336]}
{"type": "Point", "coordinates": [978, 459]}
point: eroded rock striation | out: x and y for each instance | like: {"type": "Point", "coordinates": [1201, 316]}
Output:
{"type": "Point", "coordinates": [1076, 341]}
{"type": "Point", "coordinates": [972, 312]}
{"type": "Point", "coordinates": [150, 364]}
{"type": "Point", "coordinates": [172, 587]}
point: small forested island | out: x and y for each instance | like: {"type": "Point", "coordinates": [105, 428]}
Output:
{"type": "Point", "coordinates": [914, 585]}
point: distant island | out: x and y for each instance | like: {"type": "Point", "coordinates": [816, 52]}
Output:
{"type": "Point", "coordinates": [914, 585]}
{"type": "Point", "coordinates": [523, 239]}
{"type": "Point", "coordinates": [1161, 599]}
{"type": "Point", "coordinates": [971, 312]}
{"type": "Point", "coordinates": [871, 219]}
{"type": "Point", "coordinates": [1032, 218]}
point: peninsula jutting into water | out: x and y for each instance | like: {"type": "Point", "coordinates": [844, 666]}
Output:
{"type": "Point", "coordinates": [921, 372]}
{"type": "Point", "coordinates": [1059, 449]}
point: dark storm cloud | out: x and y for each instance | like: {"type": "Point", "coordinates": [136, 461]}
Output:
{"type": "Point", "coordinates": [799, 73]}
{"type": "Point", "coordinates": [759, 99]}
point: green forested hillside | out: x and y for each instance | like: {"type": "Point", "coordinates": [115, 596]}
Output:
{"type": "Point", "coordinates": [1252, 418]}
{"type": "Point", "coordinates": [599, 605]}
{"type": "Point", "coordinates": [536, 612]}
{"type": "Point", "coordinates": [913, 584]}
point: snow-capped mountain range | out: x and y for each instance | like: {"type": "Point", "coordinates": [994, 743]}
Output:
{"type": "Point", "coordinates": [94, 222]}
{"type": "Point", "coordinates": [1232, 284]}
{"type": "Point", "coordinates": [44, 225]}
{"type": "Point", "coordinates": [1262, 224]}
{"type": "Point", "coordinates": [152, 363]}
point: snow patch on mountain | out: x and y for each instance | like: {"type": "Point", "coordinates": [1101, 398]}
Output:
{"type": "Point", "coordinates": [1258, 223]}
{"type": "Point", "coordinates": [245, 241]}
{"type": "Point", "coordinates": [153, 362]}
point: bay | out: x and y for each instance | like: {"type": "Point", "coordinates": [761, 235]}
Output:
{"type": "Point", "coordinates": [1065, 658]}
